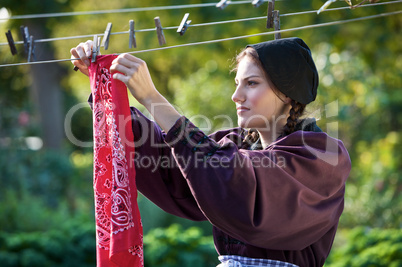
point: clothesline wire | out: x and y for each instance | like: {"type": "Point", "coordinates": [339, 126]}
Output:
{"type": "Point", "coordinates": [122, 10]}
{"type": "Point", "coordinates": [226, 39]}
{"type": "Point", "coordinates": [287, 14]}
{"type": "Point", "coordinates": [197, 25]}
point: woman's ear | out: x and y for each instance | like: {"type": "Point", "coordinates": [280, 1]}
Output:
{"type": "Point", "coordinates": [287, 100]}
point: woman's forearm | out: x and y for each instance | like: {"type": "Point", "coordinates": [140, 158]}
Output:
{"type": "Point", "coordinates": [162, 111]}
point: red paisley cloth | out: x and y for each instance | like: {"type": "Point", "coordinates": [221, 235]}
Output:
{"type": "Point", "coordinates": [118, 223]}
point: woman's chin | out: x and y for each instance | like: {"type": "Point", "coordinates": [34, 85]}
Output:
{"type": "Point", "coordinates": [243, 123]}
{"type": "Point", "coordinates": [254, 124]}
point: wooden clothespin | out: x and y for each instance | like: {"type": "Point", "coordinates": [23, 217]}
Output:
{"type": "Point", "coordinates": [277, 24]}
{"type": "Point", "coordinates": [29, 43]}
{"type": "Point", "coordinates": [11, 43]}
{"type": "Point", "coordinates": [222, 4]}
{"type": "Point", "coordinates": [257, 3]}
{"type": "Point", "coordinates": [106, 36]}
{"type": "Point", "coordinates": [132, 41]}
{"type": "Point", "coordinates": [184, 24]}
{"type": "Point", "coordinates": [159, 31]}
{"type": "Point", "coordinates": [270, 15]}
{"type": "Point", "coordinates": [95, 48]}
{"type": "Point", "coordinates": [25, 38]}
{"type": "Point", "coordinates": [31, 49]}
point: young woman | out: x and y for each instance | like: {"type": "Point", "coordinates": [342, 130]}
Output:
{"type": "Point", "coordinates": [273, 193]}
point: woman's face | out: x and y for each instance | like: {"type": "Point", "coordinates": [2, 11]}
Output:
{"type": "Point", "coordinates": [257, 104]}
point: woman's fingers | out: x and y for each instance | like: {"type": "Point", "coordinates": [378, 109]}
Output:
{"type": "Point", "coordinates": [121, 77]}
{"type": "Point", "coordinates": [80, 50]}
{"type": "Point", "coordinates": [126, 60]}
{"type": "Point", "coordinates": [88, 48]}
{"type": "Point", "coordinates": [135, 74]}
{"type": "Point", "coordinates": [74, 55]}
{"type": "Point", "coordinates": [78, 63]}
{"type": "Point", "coordinates": [81, 53]}
{"type": "Point", "coordinates": [128, 57]}
{"type": "Point", "coordinates": [125, 65]}
{"type": "Point", "coordinates": [119, 68]}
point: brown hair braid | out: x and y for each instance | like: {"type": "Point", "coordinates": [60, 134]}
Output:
{"type": "Point", "coordinates": [251, 137]}
{"type": "Point", "coordinates": [295, 112]}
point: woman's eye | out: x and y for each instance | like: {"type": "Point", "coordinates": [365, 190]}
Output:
{"type": "Point", "coordinates": [251, 83]}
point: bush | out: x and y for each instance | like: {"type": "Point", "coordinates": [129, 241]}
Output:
{"type": "Point", "coordinates": [173, 246]}
{"type": "Point", "coordinates": [369, 248]}
{"type": "Point", "coordinates": [73, 246]}
{"type": "Point", "coordinates": [39, 190]}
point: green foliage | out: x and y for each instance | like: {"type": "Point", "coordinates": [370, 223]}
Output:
{"type": "Point", "coordinates": [175, 246]}
{"type": "Point", "coordinates": [39, 189]}
{"type": "Point", "coordinates": [70, 245]}
{"type": "Point", "coordinates": [27, 6]}
{"type": "Point", "coordinates": [368, 247]}
{"type": "Point", "coordinates": [368, 125]}
{"type": "Point", "coordinates": [73, 244]}
{"type": "Point", "coordinates": [379, 164]}
{"type": "Point", "coordinates": [212, 88]}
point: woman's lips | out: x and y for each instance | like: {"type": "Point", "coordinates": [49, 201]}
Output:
{"type": "Point", "coordinates": [241, 109]}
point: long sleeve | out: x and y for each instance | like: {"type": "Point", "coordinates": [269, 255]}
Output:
{"type": "Point", "coordinates": [158, 175]}
{"type": "Point", "coordinates": [285, 197]}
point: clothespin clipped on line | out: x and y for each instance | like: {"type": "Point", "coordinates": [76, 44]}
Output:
{"type": "Point", "coordinates": [29, 43]}
{"type": "Point", "coordinates": [31, 49]}
{"type": "Point", "coordinates": [159, 31]}
{"type": "Point", "coordinates": [95, 47]}
{"type": "Point", "coordinates": [25, 37]}
{"type": "Point", "coordinates": [184, 24]}
{"type": "Point", "coordinates": [273, 20]}
{"type": "Point", "coordinates": [270, 15]}
{"type": "Point", "coordinates": [277, 25]}
{"type": "Point", "coordinates": [222, 4]}
{"type": "Point", "coordinates": [257, 3]}
{"type": "Point", "coordinates": [11, 43]}
{"type": "Point", "coordinates": [132, 41]}
{"type": "Point", "coordinates": [106, 36]}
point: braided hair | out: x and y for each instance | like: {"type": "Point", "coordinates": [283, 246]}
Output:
{"type": "Point", "coordinates": [251, 137]}
{"type": "Point", "coordinates": [294, 114]}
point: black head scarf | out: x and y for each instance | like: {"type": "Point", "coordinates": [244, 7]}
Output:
{"type": "Point", "coordinates": [290, 67]}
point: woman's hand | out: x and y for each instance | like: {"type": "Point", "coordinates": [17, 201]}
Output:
{"type": "Point", "coordinates": [83, 51]}
{"type": "Point", "coordinates": [135, 74]}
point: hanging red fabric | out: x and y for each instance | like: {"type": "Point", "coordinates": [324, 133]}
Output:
{"type": "Point", "coordinates": [118, 223]}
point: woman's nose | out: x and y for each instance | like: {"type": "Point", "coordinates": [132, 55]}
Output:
{"type": "Point", "coordinates": [238, 96]}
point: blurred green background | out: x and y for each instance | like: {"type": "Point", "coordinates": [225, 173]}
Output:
{"type": "Point", "coordinates": [46, 197]}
